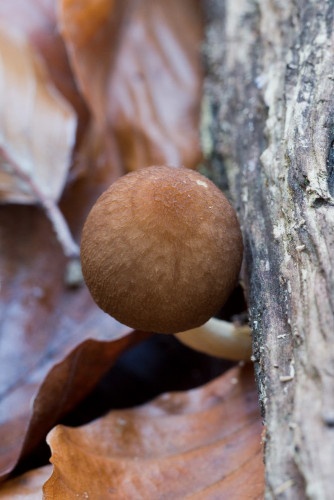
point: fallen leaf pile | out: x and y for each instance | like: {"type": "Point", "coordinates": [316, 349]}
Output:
{"type": "Point", "coordinates": [89, 90]}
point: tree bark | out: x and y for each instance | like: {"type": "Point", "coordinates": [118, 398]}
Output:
{"type": "Point", "coordinates": [268, 134]}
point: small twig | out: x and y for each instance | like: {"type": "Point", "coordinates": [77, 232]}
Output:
{"type": "Point", "coordinates": [59, 224]}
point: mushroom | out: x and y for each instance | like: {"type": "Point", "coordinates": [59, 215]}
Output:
{"type": "Point", "coordinates": [220, 338]}
{"type": "Point", "coordinates": [161, 251]}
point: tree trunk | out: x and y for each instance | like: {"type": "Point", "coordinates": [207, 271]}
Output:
{"type": "Point", "coordinates": [268, 124]}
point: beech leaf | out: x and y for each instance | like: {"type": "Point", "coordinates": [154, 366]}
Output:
{"type": "Point", "coordinates": [204, 443]}
{"type": "Point", "coordinates": [29, 486]}
{"type": "Point", "coordinates": [37, 125]}
{"type": "Point", "coordinates": [55, 343]}
{"type": "Point", "coordinates": [37, 21]}
{"type": "Point", "coordinates": [147, 83]}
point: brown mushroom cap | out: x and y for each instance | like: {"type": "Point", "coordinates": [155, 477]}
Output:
{"type": "Point", "coordinates": [161, 249]}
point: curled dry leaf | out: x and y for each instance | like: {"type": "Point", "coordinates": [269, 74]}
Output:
{"type": "Point", "coordinates": [29, 486]}
{"type": "Point", "coordinates": [55, 343]}
{"type": "Point", "coordinates": [36, 152]}
{"type": "Point", "coordinates": [37, 125]}
{"type": "Point", "coordinates": [202, 444]}
{"type": "Point", "coordinates": [37, 21]}
{"type": "Point", "coordinates": [147, 80]}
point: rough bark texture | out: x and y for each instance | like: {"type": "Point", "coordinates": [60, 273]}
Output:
{"type": "Point", "coordinates": [268, 123]}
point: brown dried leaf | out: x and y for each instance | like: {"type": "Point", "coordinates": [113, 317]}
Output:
{"type": "Point", "coordinates": [29, 486]}
{"type": "Point", "coordinates": [37, 21]}
{"type": "Point", "coordinates": [37, 125]}
{"type": "Point", "coordinates": [55, 343]}
{"type": "Point", "coordinates": [202, 444]}
{"type": "Point", "coordinates": [145, 85]}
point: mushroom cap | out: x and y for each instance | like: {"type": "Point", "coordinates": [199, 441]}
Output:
{"type": "Point", "coordinates": [161, 249]}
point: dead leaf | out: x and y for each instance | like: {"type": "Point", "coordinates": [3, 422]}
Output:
{"type": "Point", "coordinates": [55, 343]}
{"type": "Point", "coordinates": [29, 486]}
{"type": "Point", "coordinates": [37, 125]}
{"type": "Point", "coordinates": [37, 21]}
{"type": "Point", "coordinates": [203, 444]}
{"type": "Point", "coordinates": [145, 86]}
{"type": "Point", "coordinates": [34, 162]}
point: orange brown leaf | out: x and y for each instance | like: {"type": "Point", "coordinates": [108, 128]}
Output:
{"type": "Point", "coordinates": [144, 87]}
{"type": "Point", "coordinates": [201, 444]}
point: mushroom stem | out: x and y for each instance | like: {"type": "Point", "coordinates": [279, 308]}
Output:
{"type": "Point", "coordinates": [219, 338]}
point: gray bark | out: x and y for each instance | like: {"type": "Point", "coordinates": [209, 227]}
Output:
{"type": "Point", "coordinates": [268, 124]}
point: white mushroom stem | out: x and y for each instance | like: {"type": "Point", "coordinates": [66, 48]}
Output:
{"type": "Point", "coordinates": [219, 338]}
